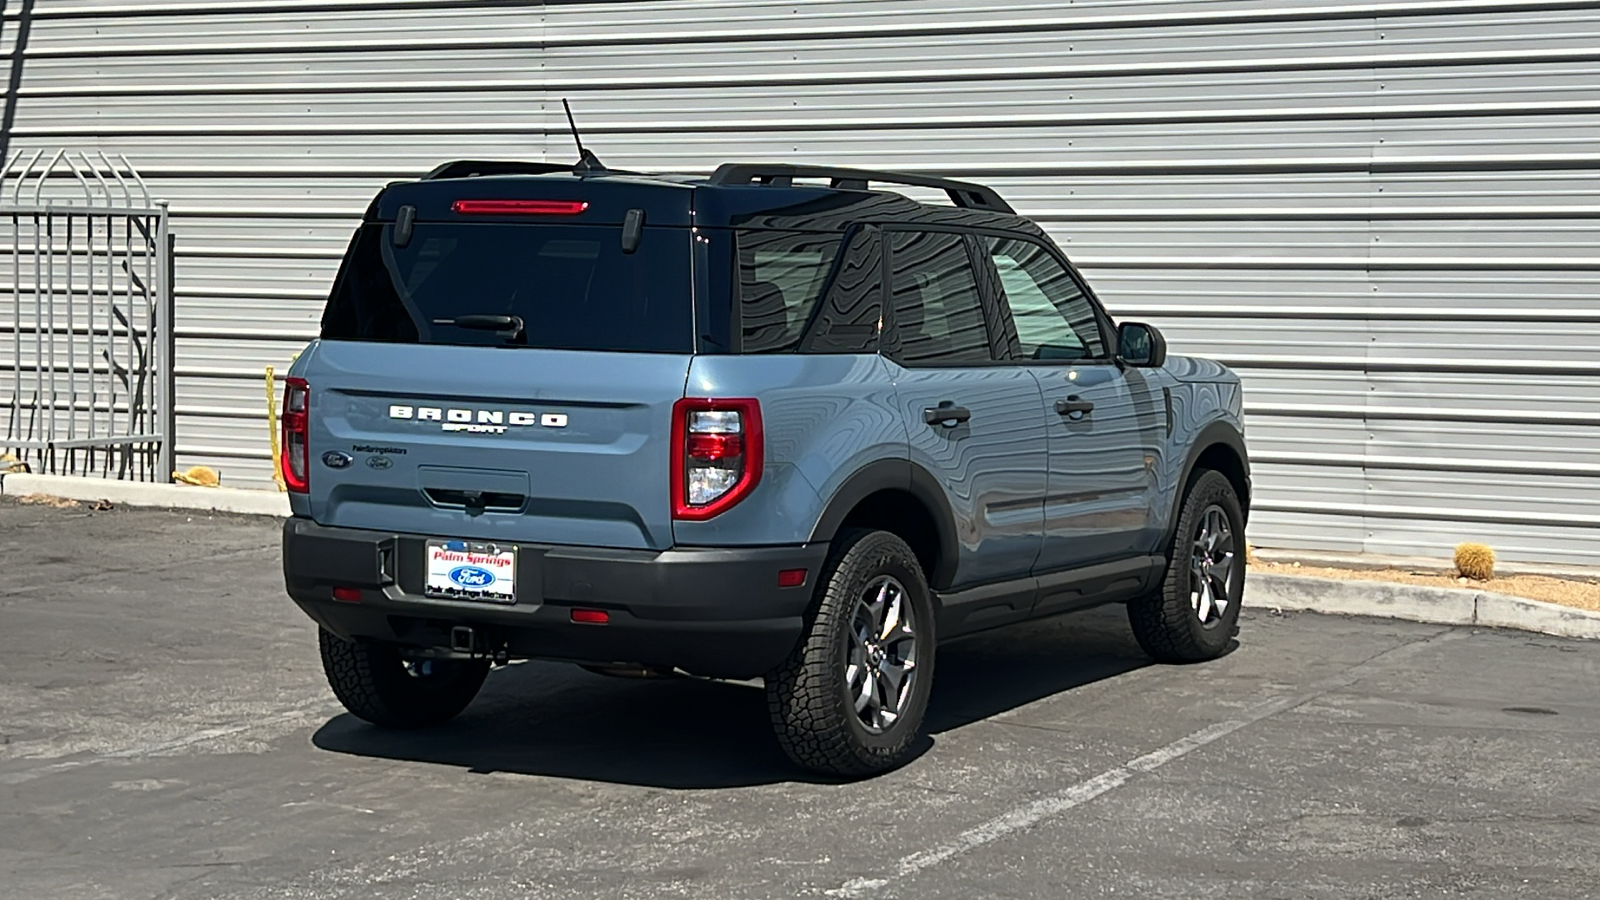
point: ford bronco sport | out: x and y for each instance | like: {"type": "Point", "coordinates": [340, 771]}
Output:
{"type": "Point", "coordinates": [771, 423]}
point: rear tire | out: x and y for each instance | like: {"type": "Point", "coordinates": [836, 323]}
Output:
{"type": "Point", "coordinates": [1194, 616]}
{"type": "Point", "coordinates": [376, 683]}
{"type": "Point", "coordinates": [851, 697]}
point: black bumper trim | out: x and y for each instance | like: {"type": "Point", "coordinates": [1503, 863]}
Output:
{"type": "Point", "coordinates": [712, 611]}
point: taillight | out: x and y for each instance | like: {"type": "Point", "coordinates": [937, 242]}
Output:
{"type": "Point", "coordinates": [296, 460]}
{"type": "Point", "coordinates": [716, 455]}
{"type": "Point", "coordinates": [519, 207]}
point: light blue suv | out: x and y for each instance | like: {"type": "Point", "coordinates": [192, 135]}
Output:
{"type": "Point", "coordinates": [770, 423]}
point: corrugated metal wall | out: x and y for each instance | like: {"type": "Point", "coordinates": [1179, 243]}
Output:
{"type": "Point", "coordinates": [1381, 213]}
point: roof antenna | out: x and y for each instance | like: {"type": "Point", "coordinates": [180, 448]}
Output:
{"type": "Point", "coordinates": [587, 162]}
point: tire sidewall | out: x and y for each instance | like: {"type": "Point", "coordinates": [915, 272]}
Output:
{"type": "Point", "coordinates": [370, 679]}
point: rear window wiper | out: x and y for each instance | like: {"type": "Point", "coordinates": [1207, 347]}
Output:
{"type": "Point", "coordinates": [508, 327]}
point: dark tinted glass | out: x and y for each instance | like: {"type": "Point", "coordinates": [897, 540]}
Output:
{"type": "Point", "coordinates": [781, 274]}
{"type": "Point", "coordinates": [852, 312]}
{"type": "Point", "coordinates": [1054, 318]}
{"type": "Point", "coordinates": [937, 312]}
{"type": "Point", "coordinates": [572, 286]}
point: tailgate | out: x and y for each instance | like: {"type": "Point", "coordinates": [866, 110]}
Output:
{"type": "Point", "coordinates": [546, 446]}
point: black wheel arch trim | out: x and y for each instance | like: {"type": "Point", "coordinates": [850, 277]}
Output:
{"type": "Point", "coordinates": [1217, 432]}
{"type": "Point", "coordinates": [902, 475]}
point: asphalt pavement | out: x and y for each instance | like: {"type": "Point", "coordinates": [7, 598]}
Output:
{"type": "Point", "coordinates": [165, 732]}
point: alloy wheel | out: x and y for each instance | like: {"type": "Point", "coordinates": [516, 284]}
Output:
{"type": "Point", "coordinates": [1211, 566]}
{"type": "Point", "coordinates": [881, 664]}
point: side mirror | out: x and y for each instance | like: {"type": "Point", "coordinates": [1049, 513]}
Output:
{"type": "Point", "coordinates": [1142, 345]}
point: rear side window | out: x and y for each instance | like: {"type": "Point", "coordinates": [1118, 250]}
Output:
{"type": "Point", "coordinates": [571, 287]}
{"type": "Point", "coordinates": [803, 292]}
{"type": "Point", "coordinates": [781, 276]}
{"type": "Point", "coordinates": [938, 314]}
{"type": "Point", "coordinates": [852, 312]}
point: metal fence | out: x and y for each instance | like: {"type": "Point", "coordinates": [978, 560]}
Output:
{"type": "Point", "coordinates": [86, 312]}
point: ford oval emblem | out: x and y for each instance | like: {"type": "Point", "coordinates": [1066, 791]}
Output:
{"type": "Point", "coordinates": [379, 462]}
{"type": "Point", "coordinates": [472, 576]}
{"type": "Point", "coordinates": [337, 459]}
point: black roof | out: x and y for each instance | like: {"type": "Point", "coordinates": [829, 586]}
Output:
{"type": "Point", "coordinates": [749, 195]}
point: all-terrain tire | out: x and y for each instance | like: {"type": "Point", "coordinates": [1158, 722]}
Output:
{"type": "Point", "coordinates": [1166, 623]}
{"type": "Point", "coordinates": [809, 696]}
{"type": "Point", "coordinates": [373, 682]}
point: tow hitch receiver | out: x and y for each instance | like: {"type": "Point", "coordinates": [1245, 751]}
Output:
{"type": "Point", "coordinates": [466, 641]}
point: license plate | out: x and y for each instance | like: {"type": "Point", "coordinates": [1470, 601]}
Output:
{"type": "Point", "coordinates": [472, 570]}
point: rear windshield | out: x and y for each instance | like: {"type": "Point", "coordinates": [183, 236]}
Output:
{"type": "Point", "coordinates": [571, 287]}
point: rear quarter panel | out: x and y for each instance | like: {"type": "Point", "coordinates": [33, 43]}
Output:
{"type": "Point", "coordinates": [824, 417]}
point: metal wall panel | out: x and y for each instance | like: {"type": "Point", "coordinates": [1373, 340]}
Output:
{"type": "Point", "coordinates": [1381, 213]}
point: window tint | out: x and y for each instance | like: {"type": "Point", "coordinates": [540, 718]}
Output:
{"type": "Point", "coordinates": [937, 311]}
{"type": "Point", "coordinates": [852, 312]}
{"type": "Point", "coordinates": [1054, 319]}
{"type": "Point", "coordinates": [571, 285]}
{"type": "Point", "coordinates": [781, 274]}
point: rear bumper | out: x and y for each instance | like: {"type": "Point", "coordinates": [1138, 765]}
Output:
{"type": "Point", "coordinates": [716, 612]}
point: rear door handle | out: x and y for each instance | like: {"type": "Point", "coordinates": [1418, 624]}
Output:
{"type": "Point", "coordinates": [1074, 407]}
{"type": "Point", "coordinates": [946, 414]}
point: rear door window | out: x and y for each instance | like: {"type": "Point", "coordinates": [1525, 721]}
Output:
{"type": "Point", "coordinates": [571, 286]}
{"type": "Point", "coordinates": [938, 313]}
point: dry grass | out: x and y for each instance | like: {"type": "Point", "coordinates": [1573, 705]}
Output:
{"type": "Point", "coordinates": [47, 500]}
{"type": "Point", "coordinates": [200, 476]}
{"type": "Point", "coordinates": [1580, 594]}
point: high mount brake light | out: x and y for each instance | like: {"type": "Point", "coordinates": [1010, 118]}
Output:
{"type": "Point", "coordinates": [716, 455]}
{"type": "Point", "coordinates": [295, 458]}
{"type": "Point", "coordinates": [519, 207]}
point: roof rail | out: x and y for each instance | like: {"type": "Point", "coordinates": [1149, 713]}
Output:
{"type": "Point", "coordinates": [469, 168]}
{"type": "Point", "coordinates": [964, 194]}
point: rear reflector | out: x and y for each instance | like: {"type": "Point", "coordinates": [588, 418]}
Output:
{"type": "Point", "coordinates": [347, 594]}
{"type": "Point", "coordinates": [792, 578]}
{"type": "Point", "coordinates": [591, 616]}
{"type": "Point", "coordinates": [519, 207]}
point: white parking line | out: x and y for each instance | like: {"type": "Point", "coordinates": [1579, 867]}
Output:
{"type": "Point", "coordinates": [1031, 814]}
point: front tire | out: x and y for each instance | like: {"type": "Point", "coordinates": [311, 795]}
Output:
{"type": "Point", "coordinates": [1194, 616]}
{"type": "Point", "coordinates": [850, 698]}
{"type": "Point", "coordinates": [376, 683]}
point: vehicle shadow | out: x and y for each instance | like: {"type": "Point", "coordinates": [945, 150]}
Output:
{"type": "Point", "coordinates": [554, 719]}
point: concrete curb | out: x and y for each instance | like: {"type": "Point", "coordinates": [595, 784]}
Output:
{"type": "Point", "coordinates": [1418, 603]}
{"type": "Point", "coordinates": [144, 493]}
